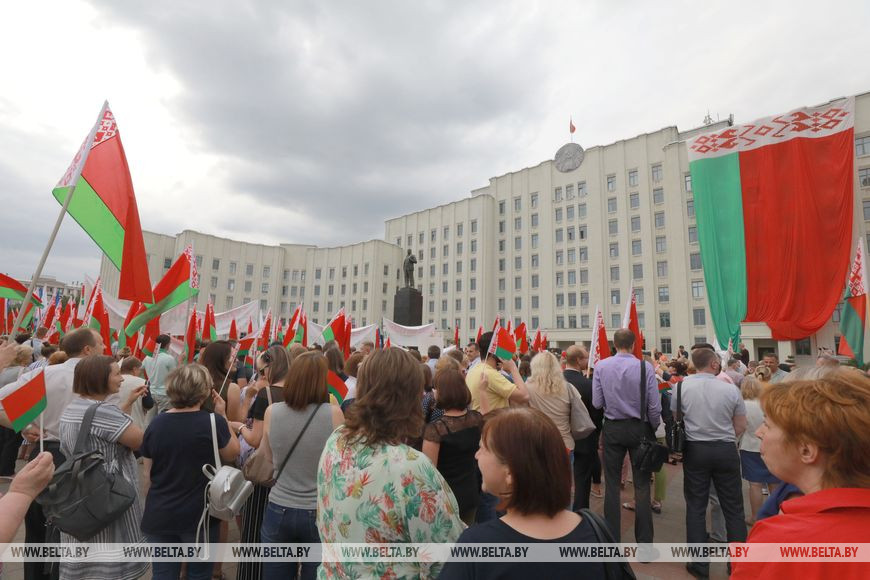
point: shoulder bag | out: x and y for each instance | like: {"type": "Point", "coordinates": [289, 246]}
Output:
{"type": "Point", "coordinates": [613, 570]}
{"type": "Point", "coordinates": [84, 497]}
{"type": "Point", "coordinates": [678, 436]}
{"type": "Point", "coordinates": [581, 423]}
{"type": "Point", "coordinates": [261, 471]}
{"type": "Point", "coordinates": [651, 454]}
{"type": "Point", "coordinates": [227, 490]}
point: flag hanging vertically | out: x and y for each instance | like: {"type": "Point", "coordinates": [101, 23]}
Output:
{"type": "Point", "coordinates": [23, 405]}
{"type": "Point", "coordinates": [104, 205]}
{"type": "Point", "coordinates": [265, 332]}
{"type": "Point", "coordinates": [631, 322]}
{"type": "Point", "coordinates": [779, 190]}
{"type": "Point", "coordinates": [537, 344]}
{"type": "Point", "coordinates": [290, 335]}
{"type": "Point", "coordinates": [190, 338]}
{"type": "Point", "coordinates": [180, 283]}
{"type": "Point", "coordinates": [234, 332]}
{"type": "Point", "coordinates": [853, 318]}
{"type": "Point", "coordinates": [522, 336]}
{"type": "Point", "coordinates": [599, 348]}
{"type": "Point", "coordinates": [209, 330]}
{"type": "Point", "coordinates": [456, 336]}
{"type": "Point", "coordinates": [479, 332]}
{"type": "Point", "coordinates": [98, 317]}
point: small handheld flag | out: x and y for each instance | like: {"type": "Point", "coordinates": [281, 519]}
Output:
{"type": "Point", "coordinates": [337, 387]}
{"type": "Point", "coordinates": [26, 403]}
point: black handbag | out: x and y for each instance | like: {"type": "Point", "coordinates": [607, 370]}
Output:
{"type": "Point", "coordinates": [678, 432]}
{"type": "Point", "coordinates": [83, 497]}
{"type": "Point", "coordinates": [651, 454]}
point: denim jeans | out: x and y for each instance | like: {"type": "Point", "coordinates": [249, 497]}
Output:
{"type": "Point", "coordinates": [285, 525]}
{"type": "Point", "coordinates": [196, 570]}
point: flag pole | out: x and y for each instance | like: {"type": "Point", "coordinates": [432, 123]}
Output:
{"type": "Point", "coordinates": [41, 435]}
{"type": "Point", "coordinates": [87, 150]}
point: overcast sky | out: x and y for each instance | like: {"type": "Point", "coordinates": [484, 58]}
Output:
{"type": "Point", "coordinates": [313, 121]}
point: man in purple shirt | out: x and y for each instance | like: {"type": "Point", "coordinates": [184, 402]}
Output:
{"type": "Point", "coordinates": [616, 387]}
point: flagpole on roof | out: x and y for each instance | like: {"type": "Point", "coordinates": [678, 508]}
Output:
{"type": "Point", "coordinates": [78, 172]}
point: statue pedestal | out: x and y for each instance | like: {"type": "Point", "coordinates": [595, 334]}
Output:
{"type": "Point", "coordinates": [408, 307]}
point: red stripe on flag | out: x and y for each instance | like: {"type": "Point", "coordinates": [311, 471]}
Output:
{"type": "Point", "coordinates": [25, 397]}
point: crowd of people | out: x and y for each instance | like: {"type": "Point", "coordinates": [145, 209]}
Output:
{"type": "Point", "coordinates": [455, 446]}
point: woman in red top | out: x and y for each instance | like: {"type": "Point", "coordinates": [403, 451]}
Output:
{"type": "Point", "coordinates": [815, 436]}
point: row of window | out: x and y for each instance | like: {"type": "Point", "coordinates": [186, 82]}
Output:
{"type": "Point", "coordinates": [433, 234]}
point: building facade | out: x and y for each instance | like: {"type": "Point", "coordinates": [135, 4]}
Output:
{"type": "Point", "coordinates": [534, 245]}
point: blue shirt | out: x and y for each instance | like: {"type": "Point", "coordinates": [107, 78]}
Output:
{"type": "Point", "coordinates": [616, 389]}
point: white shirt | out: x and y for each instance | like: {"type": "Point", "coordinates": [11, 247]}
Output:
{"type": "Point", "coordinates": [58, 394]}
{"type": "Point", "coordinates": [137, 412]}
{"type": "Point", "coordinates": [754, 419]}
{"type": "Point", "coordinates": [473, 363]}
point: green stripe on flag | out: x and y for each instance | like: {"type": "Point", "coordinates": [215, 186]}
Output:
{"type": "Point", "coordinates": [852, 329]}
{"type": "Point", "coordinates": [29, 416]}
{"type": "Point", "coordinates": [176, 297]}
{"type": "Point", "coordinates": [328, 334]}
{"type": "Point", "coordinates": [503, 353]}
{"type": "Point", "coordinates": [719, 210]}
{"type": "Point", "coordinates": [95, 218]}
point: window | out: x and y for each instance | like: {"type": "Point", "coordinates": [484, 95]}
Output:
{"type": "Point", "coordinates": [458, 248]}
{"type": "Point", "coordinates": [581, 210]}
{"type": "Point", "coordinates": [560, 279]}
{"type": "Point", "coordinates": [216, 264]}
{"type": "Point", "coordinates": [518, 283]}
{"type": "Point", "coordinates": [472, 303]}
{"type": "Point", "coordinates": [697, 288]}
{"type": "Point", "coordinates": [472, 284]}
{"type": "Point", "coordinates": [433, 235]}
{"type": "Point", "coordinates": [501, 207]}
{"type": "Point", "coordinates": [518, 303]}
{"type": "Point", "coordinates": [572, 255]}
{"type": "Point", "coordinates": [501, 303]}
{"type": "Point", "coordinates": [446, 233]}
{"type": "Point", "coordinates": [666, 345]}
{"type": "Point", "coordinates": [472, 264]}
{"type": "Point", "coordinates": [518, 223]}
{"type": "Point", "coordinates": [445, 268]}
{"type": "Point", "coordinates": [660, 219]}
{"type": "Point", "coordinates": [700, 339]}
{"type": "Point", "coordinates": [459, 266]}
{"type": "Point", "coordinates": [199, 261]}
{"type": "Point", "coordinates": [581, 189]}
{"type": "Point", "coordinates": [569, 191]}
{"type": "Point", "coordinates": [459, 285]}
{"type": "Point", "coordinates": [459, 230]}
{"type": "Point", "coordinates": [641, 320]}
{"type": "Point", "coordinates": [614, 273]}
{"type": "Point", "coordinates": [560, 322]}
{"type": "Point", "coordinates": [614, 296]}
{"type": "Point", "coordinates": [615, 320]}
{"type": "Point", "coordinates": [518, 262]}
{"type": "Point", "coordinates": [634, 200]}
{"type": "Point", "coordinates": [330, 290]}
{"type": "Point", "coordinates": [317, 274]}
{"type": "Point", "coordinates": [432, 251]}
{"type": "Point", "coordinates": [560, 300]}
{"type": "Point", "coordinates": [611, 183]}
{"type": "Point", "coordinates": [611, 205]}
{"type": "Point", "coordinates": [614, 249]}
{"type": "Point", "coordinates": [501, 227]}
{"type": "Point", "coordinates": [864, 177]}
{"type": "Point", "coordinates": [233, 268]}
{"type": "Point", "coordinates": [214, 281]}
{"type": "Point", "coordinates": [613, 227]}
{"type": "Point", "coordinates": [264, 304]}
{"type": "Point", "coordinates": [584, 321]}
{"type": "Point", "coordinates": [635, 223]}
{"type": "Point", "coordinates": [431, 270]}
{"type": "Point", "coordinates": [569, 213]}
{"type": "Point", "coordinates": [473, 226]}
{"type": "Point", "coordinates": [636, 247]}
{"type": "Point", "coordinates": [572, 321]}
{"type": "Point", "coordinates": [557, 194]}
{"type": "Point", "coordinates": [699, 317]}
{"type": "Point", "coordinates": [584, 276]}
{"type": "Point", "coordinates": [581, 232]}
{"type": "Point", "coordinates": [584, 299]}
{"type": "Point", "coordinates": [584, 254]}
{"type": "Point", "coordinates": [658, 195]}
{"type": "Point", "coordinates": [560, 257]}
{"type": "Point", "coordinates": [559, 236]}
{"type": "Point", "coordinates": [518, 204]}
{"type": "Point", "coordinates": [835, 317]}
{"type": "Point", "coordinates": [695, 261]}
{"type": "Point", "coordinates": [572, 278]}
{"type": "Point", "coordinates": [687, 181]}
{"type": "Point", "coordinates": [558, 214]}
{"type": "Point", "coordinates": [638, 295]}
{"type": "Point", "coordinates": [862, 146]}
{"type": "Point", "coordinates": [421, 237]}
{"type": "Point", "coordinates": [866, 210]}
{"type": "Point", "coordinates": [637, 271]}
{"type": "Point", "coordinates": [665, 319]}
{"type": "Point", "coordinates": [444, 306]}
{"type": "Point", "coordinates": [802, 347]}
{"type": "Point", "coordinates": [445, 250]}
{"type": "Point", "coordinates": [249, 269]}
{"type": "Point", "coordinates": [264, 287]}
{"type": "Point", "coordinates": [534, 220]}
{"type": "Point", "coordinates": [231, 285]}
{"type": "Point", "coordinates": [248, 285]}
{"type": "Point", "coordinates": [534, 241]}
{"type": "Point", "coordinates": [661, 244]}
{"type": "Point", "coordinates": [664, 294]}
{"type": "Point", "coordinates": [535, 302]}
{"type": "Point", "coordinates": [366, 269]}
{"type": "Point", "coordinates": [473, 246]}
{"type": "Point", "coordinates": [535, 322]}
{"type": "Point", "coordinates": [533, 200]}
{"type": "Point", "coordinates": [690, 208]}
{"type": "Point", "coordinates": [458, 305]}
{"type": "Point", "coordinates": [535, 281]}
{"type": "Point", "coordinates": [332, 273]}
{"type": "Point", "coordinates": [656, 173]}
{"type": "Point", "coordinates": [662, 269]}
{"type": "Point", "coordinates": [228, 302]}
{"type": "Point", "coordinates": [632, 178]}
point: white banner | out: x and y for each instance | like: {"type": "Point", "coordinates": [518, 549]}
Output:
{"type": "Point", "coordinates": [421, 337]}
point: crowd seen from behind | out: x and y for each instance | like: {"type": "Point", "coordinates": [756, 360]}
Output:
{"type": "Point", "coordinates": [454, 446]}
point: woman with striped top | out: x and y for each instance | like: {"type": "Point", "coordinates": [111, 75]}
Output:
{"type": "Point", "coordinates": [114, 434]}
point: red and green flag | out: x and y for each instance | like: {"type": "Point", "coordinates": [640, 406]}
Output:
{"type": "Point", "coordinates": [12, 289]}
{"type": "Point", "coordinates": [522, 336]}
{"type": "Point", "coordinates": [27, 319]}
{"type": "Point", "coordinates": [503, 344]}
{"type": "Point", "coordinates": [265, 332]}
{"type": "Point", "coordinates": [245, 346]}
{"type": "Point", "coordinates": [853, 318]}
{"type": "Point", "coordinates": [179, 284]}
{"type": "Point", "coordinates": [104, 204]}
{"type": "Point", "coordinates": [24, 404]}
{"type": "Point", "coordinates": [190, 338]}
{"type": "Point", "coordinates": [234, 331]}
{"type": "Point", "coordinates": [3, 307]}
{"type": "Point", "coordinates": [456, 336]}
{"type": "Point", "coordinates": [123, 339]}
{"type": "Point", "coordinates": [98, 317]}
{"type": "Point", "coordinates": [600, 348]}
{"type": "Point", "coordinates": [336, 329]}
{"type": "Point", "coordinates": [337, 387]}
{"type": "Point", "coordinates": [209, 330]}
{"type": "Point", "coordinates": [631, 322]}
{"type": "Point", "coordinates": [290, 335]}
{"type": "Point", "coordinates": [770, 197]}
{"type": "Point", "coordinates": [149, 339]}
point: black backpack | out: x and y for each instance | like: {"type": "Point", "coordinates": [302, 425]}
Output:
{"type": "Point", "coordinates": [83, 498]}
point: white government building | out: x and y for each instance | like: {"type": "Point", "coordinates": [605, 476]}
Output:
{"type": "Point", "coordinates": [534, 244]}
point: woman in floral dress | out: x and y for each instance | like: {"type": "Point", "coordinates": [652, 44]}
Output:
{"type": "Point", "coordinates": [371, 487]}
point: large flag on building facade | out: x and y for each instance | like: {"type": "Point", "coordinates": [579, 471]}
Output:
{"type": "Point", "coordinates": [631, 322]}
{"type": "Point", "coordinates": [853, 318]}
{"type": "Point", "coordinates": [599, 348]}
{"type": "Point", "coordinates": [104, 205]}
{"type": "Point", "coordinates": [180, 283]}
{"type": "Point", "coordinates": [772, 197]}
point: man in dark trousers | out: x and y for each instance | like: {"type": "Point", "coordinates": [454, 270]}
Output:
{"type": "Point", "coordinates": [586, 461]}
{"type": "Point", "coordinates": [616, 388]}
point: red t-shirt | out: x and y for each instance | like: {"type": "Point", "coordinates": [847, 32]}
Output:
{"type": "Point", "coordinates": [830, 516]}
